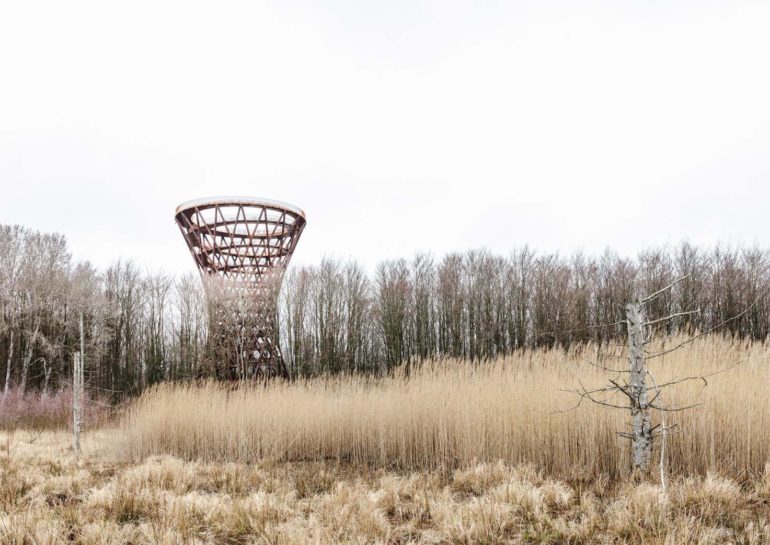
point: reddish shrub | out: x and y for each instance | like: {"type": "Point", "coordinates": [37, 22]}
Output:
{"type": "Point", "coordinates": [52, 410]}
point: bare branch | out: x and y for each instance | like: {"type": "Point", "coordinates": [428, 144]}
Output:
{"type": "Point", "coordinates": [589, 394]}
{"type": "Point", "coordinates": [701, 377]}
{"type": "Point", "coordinates": [570, 409]}
{"type": "Point", "coordinates": [603, 368]}
{"type": "Point", "coordinates": [675, 409]}
{"type": "Point", "coordinates": [692, 339]}
{"type": "Point", "coordinates": [685, 379]}
{"type": "Point", "coordinates": [658, 391]}
{"type": "Point", "coordinates": [672, 316]}
{"type": "Point", "coordinates": [662, 291]}
{"type": "Point", "coordinates": [602, 390]}
{"type": "Point", "coordinates": [606, 404]}
{"type": "Point", "coordinates": [622, 389]}
{"type": "Point", "coordinates": [670, 430]}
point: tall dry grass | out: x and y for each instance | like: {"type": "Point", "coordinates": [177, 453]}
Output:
{"type": "Point", "coordinates": [453, 413]}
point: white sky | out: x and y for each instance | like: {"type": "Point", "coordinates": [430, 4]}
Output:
{"type": "Point", "coordinates": [397, 126]}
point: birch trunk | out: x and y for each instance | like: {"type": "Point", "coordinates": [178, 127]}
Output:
{"type": "Point", "coordinates": [28, 357]}
{"type": "Point", "coordinates": [8, 368]}
{"type": "Point", "coordinates": [641, 433]}
{"type": "Point", "coordinates": [77, 400]}
{"type": "Point", "coordinates": [82, 342]}
{"type": "Point", "coordinates": [46, 375]}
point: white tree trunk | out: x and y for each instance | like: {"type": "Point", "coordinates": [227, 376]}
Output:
{"type": "Point", "coordinates": [8, 368]}
{"type": "Point", "coordinates": [28, 357]}
{"type": "Point", "coordinates": [77, 401]}
{"type": "Point", "coordinates": [641, 432]}
{"type": "Point", "coordinates": [82, 341]}
{"type": "Point", "coordinates": [142, 371]}
{"type": "Point", "coordinates": [77, 391]}
{"type": "Point", "coordinates": [46, 375]}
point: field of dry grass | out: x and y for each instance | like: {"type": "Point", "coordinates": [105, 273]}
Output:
{"type": "Point", "coordinates": [49, 497]}
{"type": "Point", "coordinates": [453, 414]}
{"type": "Point", "coordinates": [455, 454]}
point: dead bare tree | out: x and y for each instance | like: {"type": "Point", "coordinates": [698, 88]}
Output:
{"type": "Point", "coordinates": [77, 401]}
{"type": "Point", "coordinates": [641, 401]}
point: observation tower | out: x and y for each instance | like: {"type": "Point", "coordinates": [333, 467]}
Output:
{"type": "Point", "coordinates": [242, 246]}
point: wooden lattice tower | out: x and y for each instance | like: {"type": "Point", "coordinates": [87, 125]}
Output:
{"type": "Point", "coordinates": [242, 247]}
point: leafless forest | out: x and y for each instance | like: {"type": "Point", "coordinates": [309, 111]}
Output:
{"type": "Point", "coordinates": [144, 327]}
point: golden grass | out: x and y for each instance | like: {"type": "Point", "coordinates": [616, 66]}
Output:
{"type": "Point", "coordinates": [456, 414]}
{"type": "Point", "coordinates": [48, 497]}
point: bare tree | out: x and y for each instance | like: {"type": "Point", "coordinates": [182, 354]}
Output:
{"type": "Point", "coordinates": [11, 250]}
{"type": "Point", "coordinates": [44, 265]}
{"type": "Point", "coordinates": [357, 304]}
{"type": "Point", "coordinates": [327, 300]}
{"type": "Point", "coordinates": [298, 342]}
{"type": "Point", "coordinates": [451, 306]}
{"type": "Point", "coordinates": [636, 390]}
{"type": "Point", "coordinates": [77, 400]}
{"type": "Point", "coordinates": [157, 288]}
{"type": "Point", "coordinates": [124, 298]}
{"type": "Point", "coordinates": [423, 312]}
{"type": "Point", "coordinates": [393, 296]}
{"type": "Point", "coordinates": [519, 282]}
{"type": "Point", "coordinates": [190, 330]}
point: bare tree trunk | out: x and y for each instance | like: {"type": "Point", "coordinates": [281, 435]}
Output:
{"type": "Point", "coordinates": [143, 371]}
{"type": "Point", "coordinates": [82, 340]}
{"type": "Point", "coordinates": [8, 368]}
{"type": "Point", "coordinates": [28, 357]}
{"type": "Point", "coordinates": [77, 401]}
{"type": "Point", "coordinates": [641, 432]}
{"type": "Point", "coordinates": [663, 437]}
{"type": "Point", "coordinates": [46, 374]}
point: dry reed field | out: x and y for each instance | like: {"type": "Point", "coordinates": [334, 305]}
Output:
{"type": "Point", "coordinates": [454, 454]}
{"type": "Point", "coordinates": [452, 414]}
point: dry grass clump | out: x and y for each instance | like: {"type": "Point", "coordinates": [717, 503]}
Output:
{"type": "Point", "coordinates": [102, 500]}
{"type": "Point", "coordinates": [453, 414]}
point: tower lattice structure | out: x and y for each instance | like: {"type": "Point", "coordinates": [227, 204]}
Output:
{"type": "Point", "coordinates": [242, 247]}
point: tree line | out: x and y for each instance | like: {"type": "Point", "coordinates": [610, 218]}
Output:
{"type": "Point", "coordinates": [143, 327]}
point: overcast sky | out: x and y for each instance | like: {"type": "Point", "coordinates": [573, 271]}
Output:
{"type": "Point", "coordinates": [397, 126]}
